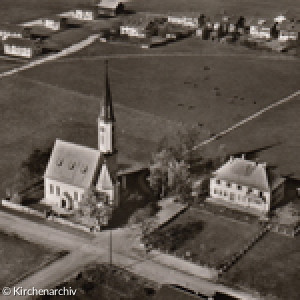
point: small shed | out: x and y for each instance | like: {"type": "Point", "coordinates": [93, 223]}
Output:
{"type": "Point", "coordinates": [22, 47]}
{"type": "Point", "coordinates": [110, 8]}
{"type": "Point", "coordinates": [54, 23]}
{"type": "Point", "coordinates": [13, 31]}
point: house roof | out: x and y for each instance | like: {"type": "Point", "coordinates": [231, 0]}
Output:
{"type": "Point", "coordinates": [111, 4]}
{"type": "Point", "coordinates": [248, 173]}
{"type": "Point", "coordinates": [21, 42]}
{"type": "Point", "coordinates": [184, 15]}
{"type": "Point", "coordinates": [73, 164]}
{"type": "Point", "coordinates": [56, 18]}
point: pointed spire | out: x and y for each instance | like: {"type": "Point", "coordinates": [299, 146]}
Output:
{"type": "Point", "coordinates": [106, 110]}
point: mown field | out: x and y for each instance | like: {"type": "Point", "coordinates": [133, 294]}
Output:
{"type": "Point", "coordinates": [243, 7]}
{"type": "Point", "coordinates": [18, 257]}
{"type": "Point", "coordinates": [25, 10]}
{"type": "Point", "coordinates": [211, 91]}
{"type": "Point", "coordinates": [272, 268]}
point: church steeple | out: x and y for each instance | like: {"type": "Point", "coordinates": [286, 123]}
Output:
{"type": "Point", "coordinates": [106, 109]}
{"type": "Point", "coordinates": [106, 119]}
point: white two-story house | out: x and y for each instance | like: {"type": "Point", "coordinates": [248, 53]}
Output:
{"type": "Point", "coordinates": [246, 184]}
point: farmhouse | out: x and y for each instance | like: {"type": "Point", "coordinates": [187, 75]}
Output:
{"type": "Point", "coordinates": [288, 31]}
{"type": "Point", "coordinates": [73, 169]}
{"type": "Point", "coordinates": [110, 8]}
{"type": "Point", "coordinates": [22, 47]}
{"type": "Point", "coordinates": [140, 28]}
{"type": "Point", "coordinates": [219, 26]}
{"type": "Point", "coordinates": [84, 13]}
{"type": "Point", "coordinates": [262, 29]}
{"type": "Point", "coordinates": [13, 31]}
{"type": "Point", "coordinates": [54, 23]}
{"type": "Point", "coordinates": [246, 184]}
{"type": "Point", "coordinates": [191, 21]}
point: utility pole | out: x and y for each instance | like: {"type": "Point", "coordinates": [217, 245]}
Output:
{"type": "Point", "coordinates": [110, 247]}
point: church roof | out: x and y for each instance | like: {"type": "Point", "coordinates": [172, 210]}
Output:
{"type": "Point", "coordinates": [247, 173]}
{"type": "Point", "coordinates": [73, 164]}
{"type": "Point", "coordinates": [106, 110]}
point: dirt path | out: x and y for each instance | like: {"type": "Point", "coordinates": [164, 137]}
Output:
{"type": "Point", "coordinates": [74, 48]}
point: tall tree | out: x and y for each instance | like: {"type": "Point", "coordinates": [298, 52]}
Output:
{"type": "Point", "coordinates": [93, 208]}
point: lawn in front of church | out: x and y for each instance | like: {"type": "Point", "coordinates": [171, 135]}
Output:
{"type": "Point", "coordinates": [18, 257]}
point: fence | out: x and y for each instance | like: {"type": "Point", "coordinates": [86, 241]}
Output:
{"type": "Point", "coordinates": [34, 212]}
{"type": "Point", "coordinates": [22, 208]}
{"type": "Point", "coordinates": [69, 223]}
{"type": "Point", "coordinates": [184, 265]}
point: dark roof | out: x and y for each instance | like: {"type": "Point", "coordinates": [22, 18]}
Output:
{"type": "Point", "coordinates": [86, 8]}
{"type": "Point", "coordinates": [170, 292]}
{"type": "Point", "coordinates": [106, 109]}
{"type": "Point", "coordinates": [21, 42]}
{"type": "Point", "coordinates": [73, 164]}
{"type": "Point", "coordinates": [54, 18]}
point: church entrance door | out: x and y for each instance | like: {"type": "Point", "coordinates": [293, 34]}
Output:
{"type": "Point", "coordinates": [63, 203]}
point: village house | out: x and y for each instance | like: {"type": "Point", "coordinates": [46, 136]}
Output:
{"type": "Point", "coordinates": [219, 26]}
{"type": "Point", "coordinates": [190, 21]}
{"type": "Point", "coordinates": [54, 23]}
{"type": "Point", "coordinates": [205, 28]}
{"type": "Point", "coordinates": [22, 47]}
{"type": "Point", "coordinates": [247, 185]}
{"type": "Point", "coordinates": [13, 31]}
{"type": "Point", "coordinates": [262, 29]}
{"type": "Point", "coordinates": [89, 13]}
{"type": "Point", "coordinates": [140, 28]}
{"type": "Point", "coordinates": [110, 8]}
{"type": "Point", "coordinates": [236, 24]}
{"type": "Point", "coordinates": [73, 169]}
{"type": "Point", "coordinates": [288, 31]}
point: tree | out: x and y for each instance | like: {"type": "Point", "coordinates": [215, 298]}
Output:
{"type": "Point", "coordinates": [37, 161]}
{"type": "Point", "coordinates": [93, 208]}
{"type": "Point", "coordinates": [158, 178]}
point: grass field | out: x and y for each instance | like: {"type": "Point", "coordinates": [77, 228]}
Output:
{"type": "Point", "coordinates": [108, 283]}
{"type": "Point", "coordinates": [217, 239]}
{"type": "Point", "coordinates": [25, 10]}
{"type": "Point", "coordinates": [243, 7]}
{"type": "Point", "coordinates": [18, 257]}
{"type": "Point", "coordinates": [213, 91]}
{"type": "Point", "coordinates": [271, 267]}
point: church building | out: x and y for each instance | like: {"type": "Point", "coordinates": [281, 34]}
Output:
{"type": "Point", "coordinates": [73, 169]}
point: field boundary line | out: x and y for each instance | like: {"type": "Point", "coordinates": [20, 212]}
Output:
{"type": "Point", "coordinates": [248, 119]}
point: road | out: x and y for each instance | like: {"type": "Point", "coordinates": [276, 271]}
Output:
{"type": "Point", "coordinates": [85, 251]}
